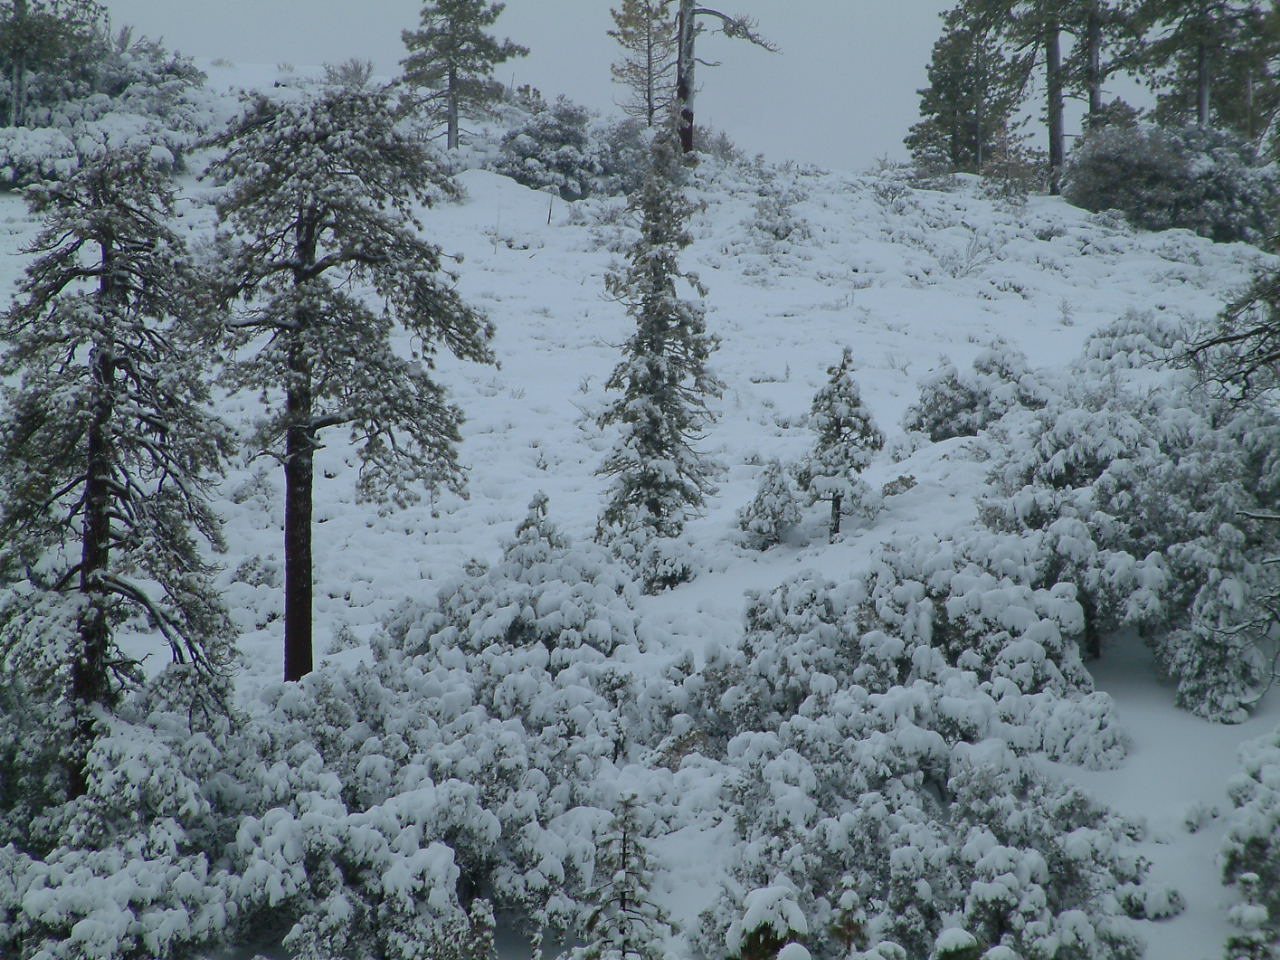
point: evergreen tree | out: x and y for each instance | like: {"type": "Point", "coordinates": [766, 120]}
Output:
{"type": "Point", "coordinates": [1103, 34]}
{"type": "Point", "coordinates": [107, 449]}
{"type": "Point", "coordinates": [663, 376]}
{"type": "Point", "coordinates": [453, 56]}
{"type": "Point", "coordinates": [772, 512]}
{"type": "Point", "coordinates": [646, 31]}
{"type": "Point", "coordinates": [43, 36]}
{"type": "Point", "coordinates": [970, 100]}
{"type": "Point", "coordinates": [322, 190]}
{"type": "Point", "coordinates": [1189, 49]}
{"type": "Point", "coordinates": [847, 438]}
{"type": "Point", "coordinates": [625, 923]}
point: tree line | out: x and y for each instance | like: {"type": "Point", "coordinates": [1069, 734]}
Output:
{"type": "Point", "coordinates": [1207, 62]}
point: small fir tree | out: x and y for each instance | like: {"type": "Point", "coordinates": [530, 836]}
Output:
{"type": "Point", "coordinates": [646, 31]}
{"type": "Point", "coordinates": [108, 451]}
{"type": "Point", "coordinates": [625, 923]}
{"type": "Point", "coordinates": [453, 56]}
{"type": "Point", "coordinates": [847, 439]}
{"type": "Point", "coordinates": [773, 511]}
{"type": "Point", "coordinates": [322, 192]}
{"type": "Point", "coordinates": [663, 378]}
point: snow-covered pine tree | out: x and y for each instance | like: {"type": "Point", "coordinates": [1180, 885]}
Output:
{"type": "Point", "coordinates": [453, 56]}
{"type": "Point", "coordinates": [772, 512]}
{"type": "Point", "coordinates": [108, 450]}
{"type": "Point", "coordinates": [663, 379]}
{"type": "Point", "coordinates": [624, 923]}
{"type": "Point", "coordinates": [646, 31]}
{"type": "Point", "coordinates": [322, 191]}
{"type": "Point", "coordinates": [847, 439]}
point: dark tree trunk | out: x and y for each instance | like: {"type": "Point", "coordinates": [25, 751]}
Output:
{"type": "Point", "coordinates": [685, 64]}
{"type": "Point", "coordinates": [836, 502]}
{"type": "Point", "coordinates": [89, 676]}
{"type": "Point", "coordinates": [1053, 83]}
{"type": "Point", "coordinates": [1202, 83]}
{"type": "Point", "coordinates": [298, 469]}
{"type": "Point", "coordinates": [18, 72]}
{"type": "Point", "coordinates": [1093, 62]}
{"type": "Point", "coordinates": [451, 97]}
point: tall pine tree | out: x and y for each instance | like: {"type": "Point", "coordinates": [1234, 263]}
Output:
{"type": "Point", "coordinates": [646, 31]}
{"type": "Point", "coordinates": [107, 451]}
{"type": "Point", "coordinates": [663, 378]}
{"type": "Point", "coordinates": [453, 56]}
{"type": "Point", "coordinates": [972, 95]}
{"type": "Point", "coordinates": [1205, 58]}
{"type": "Point", "coordinates": [322, 192]}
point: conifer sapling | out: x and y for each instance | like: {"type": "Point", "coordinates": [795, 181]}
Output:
{"type": "Point", "coordinates": [847, 439]}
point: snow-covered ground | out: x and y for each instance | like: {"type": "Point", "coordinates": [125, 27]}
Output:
{"type": "Point", "coordinates": [903, 277]}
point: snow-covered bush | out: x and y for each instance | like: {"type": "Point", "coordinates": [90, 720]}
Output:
{"type": "Point", "coordinates": [1250, 853]}
{"type": "Point", "coordinates": [1135, 486]}
{"type": "Point", "coordinates": [903, 792]}
{"type": "Point", "coordinates": [772, 512]}
{"type": "Point", "coordinates": [1195, 177]}
{"type": "Point", "coordinates": [133, 94]}
{"type": "Point", "coordinates": [136, 867]}
{"type": "Point", "coordinates": [955, 404]}
{"type": "Point", "coordinates": [561, 147]}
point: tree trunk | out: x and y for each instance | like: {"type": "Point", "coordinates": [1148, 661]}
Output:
{"type": "Point", "coordinates": [18, 73]}
{"type": "Point", "coordinates": [451, 98]}
{"type": "Point", "coordinates": [1202, 84]}
{"type": "Point", "coordinates": [1053, 83]}
{"type": "Point", "coordinates": [1093, 62]}
{"type": "Point", "coordinates": [298, 469]}
{"type": "Point", "coordinates": [89, 675]}
{"type": "Point", "coordinates": [685, 64]}
{"type": "Point", "coordinates": [836, 502]}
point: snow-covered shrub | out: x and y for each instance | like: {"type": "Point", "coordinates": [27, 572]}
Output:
{"type": "Point", "coordinates": [1250, 854]}
{"type": "Point", "coordinates": [1195, 177]}
{"type": "Point", "coordinates": [137, 866]}
{"type": "Point", "coordinates": [552, 151]}
{"type": "Point", "coordinates": [131, 95]}
{"type": "Point", "coordinates": [772, 512]}
{"type": "Point", "coordinates": [1135, 486]}
{"type": "Point", "coordinates": [955, 404]}
{"type": "Point", "coordinates": [562, 147]}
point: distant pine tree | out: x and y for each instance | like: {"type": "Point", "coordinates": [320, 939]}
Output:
{"type": "Point", "coordinates": [663, 378]}
{"type": "Point", "coordinates": [107, 451]}
{"type": "Point", "coordinates": [970, 100]}
{"type": "Point", "coordinates": [322, 191]}
{"type": "Point", "coordinates": [847, 439]}
{"type": "Point", "coordinates": [453, 56]}
{"type": "Point", "coordinates": [646, 31]}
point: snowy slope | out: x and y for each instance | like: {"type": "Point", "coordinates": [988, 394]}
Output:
{"type": "Point", "coordinates": [904, 277]}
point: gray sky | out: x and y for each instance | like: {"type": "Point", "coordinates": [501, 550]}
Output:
{"type": "Point", "coordinates": [841, 92]}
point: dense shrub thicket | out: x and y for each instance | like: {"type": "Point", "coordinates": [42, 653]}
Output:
{"type": "Point", "coordinates": [1194, 177]}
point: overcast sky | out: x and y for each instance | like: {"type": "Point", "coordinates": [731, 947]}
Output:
{"type": "Point", "coordinates": [841, 92]}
